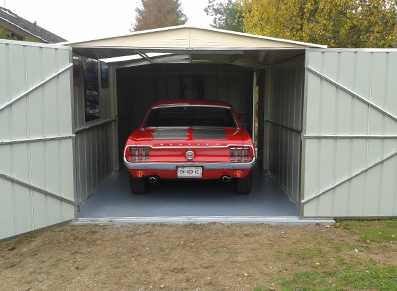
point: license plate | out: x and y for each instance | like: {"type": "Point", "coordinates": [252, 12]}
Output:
{"type": "Point", "coordinates": [190, 172]}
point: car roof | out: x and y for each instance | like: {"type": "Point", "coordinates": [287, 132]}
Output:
{"type": "Point", "coordinates": [187, 102]}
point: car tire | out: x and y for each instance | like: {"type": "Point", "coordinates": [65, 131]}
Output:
{"type": "Point", "coordinates": [138, 185]}
{"type": "Point", "coordinates": [243, 185]}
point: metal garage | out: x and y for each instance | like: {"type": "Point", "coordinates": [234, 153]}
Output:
{"type": "Point", "coordinates": [327, 118]}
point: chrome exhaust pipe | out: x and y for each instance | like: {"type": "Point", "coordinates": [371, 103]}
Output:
{"type": "Point", "coordinates": [226, 178]}
{"type": "Point", "coordinates": [152, 180]}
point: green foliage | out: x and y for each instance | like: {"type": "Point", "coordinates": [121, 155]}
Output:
{"type": "Point", "coordinates": [336, 23]}
{"type": "Point", "coordinates": [4, 35]}
{"type": "Point", "coordinates": [158, 13]}
{"type": "Point", "coordinates": [226, 15]}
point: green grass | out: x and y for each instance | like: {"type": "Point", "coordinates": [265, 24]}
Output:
{"type": "Point", "coordinates": [379, 231]}
{"type": "Point", "coordinates": [352, 274]}
{"type": "Point", "coordinates": [373, 277]}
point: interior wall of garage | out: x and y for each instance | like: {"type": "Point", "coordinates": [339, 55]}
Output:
{"type": "Point", "coordinates": [96, 140]}
{"type": "Point", "coordinates": [36, 137]}
{"type": "Point", "coordinates": [283, 106]}
{"type": "Point", "coordinates": [140, 87]}
{"type": "Point", "coordinates": [349, 160]}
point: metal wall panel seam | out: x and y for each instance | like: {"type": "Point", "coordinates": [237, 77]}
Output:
{"type": "Point", "coordinates": [351, 93]}
{"type": "Point", "coordinates": [349, 178]}
{"type": "Point", "coordinates": [25, 48]}
{"type": "Point", "coordinates": [18, 141]}
{"type": "Point", "coordinates": [35, 87]}
{"type": "Point", "coordinates": [12, 179]}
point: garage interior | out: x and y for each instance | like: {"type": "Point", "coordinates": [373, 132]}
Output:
{"type": "Point", "coordinates": [265, 86]}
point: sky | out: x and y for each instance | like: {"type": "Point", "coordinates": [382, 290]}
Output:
{"type": "Point", "coordinates": [77, 20]}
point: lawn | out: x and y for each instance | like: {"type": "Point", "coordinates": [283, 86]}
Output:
{"type": "Point", "coordinates": [352, 255]}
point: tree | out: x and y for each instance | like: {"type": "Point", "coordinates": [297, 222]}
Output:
{"type": "Point", "coordinates": [4, 35]}
{"type": "Point", "coordinates": [226, 15]}
{"type": "Point", "coordinates": [158, 13]}
{"type": "Point", "coordinates": [336, 23]}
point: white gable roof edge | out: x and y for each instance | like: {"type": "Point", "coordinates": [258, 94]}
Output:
{"type": "Point", "coordinates": [208, 29]}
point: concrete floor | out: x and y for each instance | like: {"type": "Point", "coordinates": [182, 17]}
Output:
{"type": "Point", "coordinates": [188, 198]}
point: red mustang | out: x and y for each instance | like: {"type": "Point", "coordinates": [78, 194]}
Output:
{"type": "Point", "coordinates": [190, 139]}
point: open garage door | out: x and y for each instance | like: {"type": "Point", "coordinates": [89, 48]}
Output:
{"type": "Point", "coordinates": [36, 137]}
{"type": "Point", "coordinates": [349, 160]}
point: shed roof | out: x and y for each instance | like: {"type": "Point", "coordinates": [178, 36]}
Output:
{"type": "Point", "coordinates": [22, 25]}
{"type": "Point", "coordinates": [192, 44]}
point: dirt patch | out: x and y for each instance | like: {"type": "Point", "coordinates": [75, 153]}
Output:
{"type": "Point", "coordinates": [178, 257]}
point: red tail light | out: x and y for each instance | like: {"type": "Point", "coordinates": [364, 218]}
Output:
{"type": "Point", "coordinates": [138, 154]}
{"type": "Point", "coordinates": [240, 154]}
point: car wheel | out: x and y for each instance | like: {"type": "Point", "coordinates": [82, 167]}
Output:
{"type": "Point", "coordinates": [243, 185]}
{"type": "Point", "coordinates": [138, 185]}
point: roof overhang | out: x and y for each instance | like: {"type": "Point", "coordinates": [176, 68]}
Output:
{"type": "Point", "coordinates": [192, 45]}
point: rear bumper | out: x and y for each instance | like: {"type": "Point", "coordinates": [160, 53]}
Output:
{"type": "Point", "coordinates": [205, 166]}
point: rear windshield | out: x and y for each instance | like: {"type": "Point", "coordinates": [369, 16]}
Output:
{"type": "Point", "coordinates": [190, 116]}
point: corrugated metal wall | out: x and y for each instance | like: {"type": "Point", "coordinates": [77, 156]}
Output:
{"type": "Point", "coordinates": [96, 140]}
{"type": "Point", "coordinates": [350, 135]}
{"type": "Point", "coordinates": [138, 90]}
{"type": "Point", "coordinates": [283, 104]}
{"type": "Point", "coordinates": [36, 137]}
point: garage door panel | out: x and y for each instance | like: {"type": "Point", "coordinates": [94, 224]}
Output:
{"type": "Point", "coordinates": [39, 210]}
{"type": "Point", "coordinates": [347, 69]}
{"type": "Point", "coordinates": [373, 194]}
{"type": "Point", "coordinates": [313, 89]}
{"type": "Point", "coordinates": [50, 62]}
{"type": "Point", "coordinates": [20, 158]}
{"type": "Point", "coordinates": [33, 64]}
{"type": "Point", "coordinates": [376, 122]}
{"type": "Point", "coordinates": [7, 225]}
{"type": "Point", "coordinates": [341, 155]}
{"type": "Point", "coordinates": [390, 104]}
{"type": "Point", "coordinates": [15, 71]}
{"type": "Point", "coordinates": [67, 171]}
{"type": "Point", "coordinates": [52, 168]}
{"type": "Point", "coordinates": [36, 113]}
{"type": "Point", "coordinates": [328, 67]}
{"type": "Point", "coordinates": [390, 126]}
{"type": "Point", "coordinates": [64, 90]}
{"type": "Point", "coordinates": [54, 211]}
{"type": "Point", "coordinates": [344, 120]}
{"type": "Point", "coordinates": [31, 165]}
{"type": "Point", "coordinates": [363, 80]}
{"type": "Point", "coordinates": [5, 158]}
{"type": "Point", "coordinates": [38, 170]}
{"type": "Point", "coordinates": [328, 109]}
{"type": "Point", "coordinates": [342, 194]}
{"type": "Point", "coordinates": [360, 117]}
{"type": "Point", "coordinates": [19, 120]}
{"type": "Point", "coordinates": [50, 113]}
{"type": "Point", "coordinates": [23, 209]}
{"type": "Point", "coordinates": [363, 146]}
{"type": "Point", "coordinates": [389, 184]}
